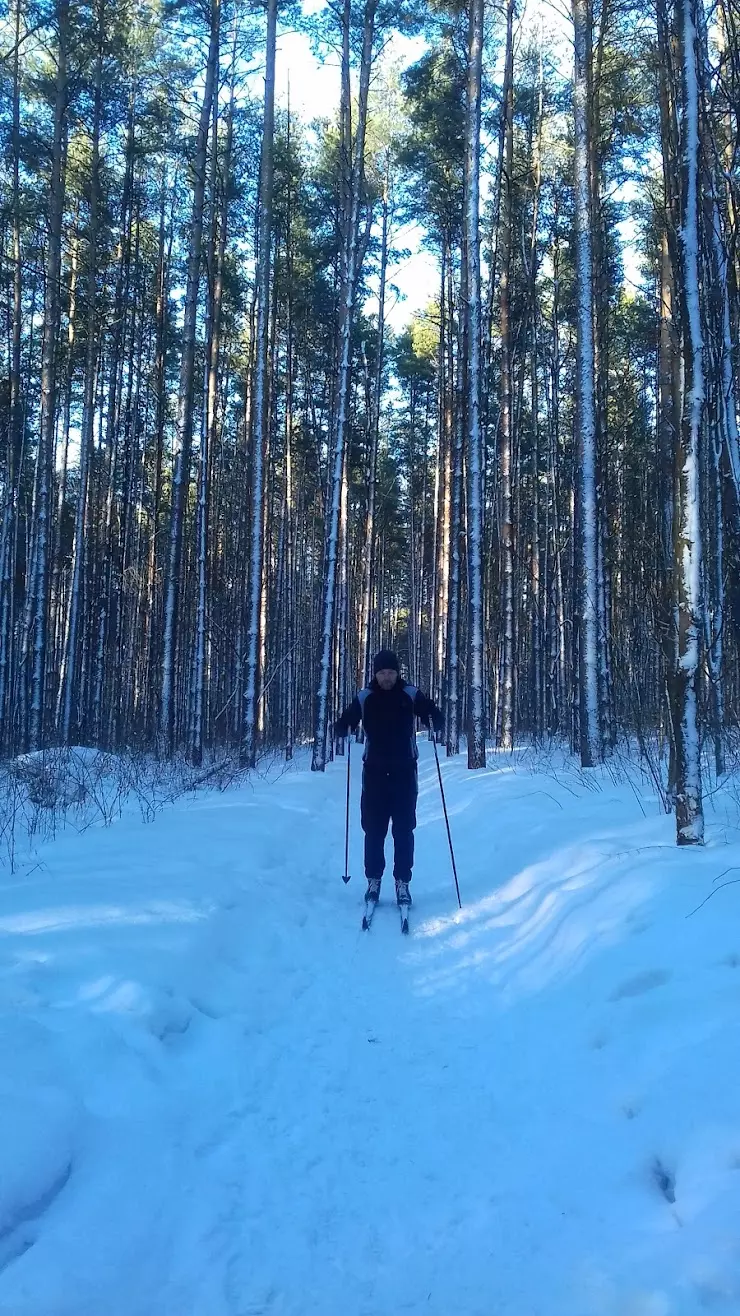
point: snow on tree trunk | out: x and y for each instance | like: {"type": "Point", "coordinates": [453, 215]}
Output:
{"type": "Point", "coordinates": [669, 390]}
{"type": "Point", "coordinates": [587, 605]}
{"type": "Point", "coordinates": [723, 442]}
{"type": "Point", "coordinates": [715, 588]}
{"type": "Point", "coordinates": [455, 373]}
{"type": "Point", "coordinates": [444, 464]}
{"type": "Point", "coordinates": [476, 726]}
{"type": "Point", "coordinates": [288, 504]}
{"type": "Point", "coordinates": [687, 525]}
{"type": "Point", "coordinates": [341, 412]}
{"type": "Point", "coordinates": [434, 564]}
{"type": "Point", "coordinates": [506, 438]}
{"type": "Point", "coordinates": [342, 630]}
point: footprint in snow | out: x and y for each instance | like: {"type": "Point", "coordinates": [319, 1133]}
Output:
{"type": "Point", "coordinates": [641, 983]}
{"type": "Point", "coordinates": [665, 1180]}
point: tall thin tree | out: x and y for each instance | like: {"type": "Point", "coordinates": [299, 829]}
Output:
{"type": "Point", "coordinates": [348, 297]}
{"type": "Point", "coordinates": [185, 399]}
{"type": "Point", "coordinates": [587, 603]}
{"type": "Point", "coordinates": [259, 402]}
{"type": "Point", "coordinates": [474, 433]}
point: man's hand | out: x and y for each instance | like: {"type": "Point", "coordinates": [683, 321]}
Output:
{"type": "Point", "coordinates": [340, 730]}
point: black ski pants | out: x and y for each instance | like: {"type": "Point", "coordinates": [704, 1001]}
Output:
{"type": "Point", "coordinates": [389, 795]}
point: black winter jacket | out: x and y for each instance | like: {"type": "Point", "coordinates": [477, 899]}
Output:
{"type": "Point", "coordinates": [389, 720]}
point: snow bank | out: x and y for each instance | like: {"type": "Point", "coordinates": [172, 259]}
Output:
{"type": "Point", "coordinates": [224, 1098]}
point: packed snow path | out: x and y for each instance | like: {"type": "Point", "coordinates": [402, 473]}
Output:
{"type": "Point", "coordinates": [221, 1098]}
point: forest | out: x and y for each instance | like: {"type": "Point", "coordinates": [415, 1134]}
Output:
{"type": "Point", "coordinates": [226, 479]}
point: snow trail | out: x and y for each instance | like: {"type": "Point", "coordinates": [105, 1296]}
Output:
{"type": "Point", "coordinates": [227, 1100]}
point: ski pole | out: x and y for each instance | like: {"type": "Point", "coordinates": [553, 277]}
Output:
{"type": "Point", "coordinates": [447, 821]}
{"type": "Point", "coordinates": [346, 874]}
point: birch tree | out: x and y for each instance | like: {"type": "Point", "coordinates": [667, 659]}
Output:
{"type": "Point", "coordinates": [687, 564]}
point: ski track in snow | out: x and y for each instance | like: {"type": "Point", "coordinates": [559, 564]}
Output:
{"type": "Point", "coordinates": [221, 1097]}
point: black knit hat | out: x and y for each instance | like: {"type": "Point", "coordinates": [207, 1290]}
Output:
{"type": "Point", "coordinates": [385, 660]}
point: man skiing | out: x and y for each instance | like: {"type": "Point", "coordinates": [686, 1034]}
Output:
{"type": "Point", "coordinates": [388, 709]}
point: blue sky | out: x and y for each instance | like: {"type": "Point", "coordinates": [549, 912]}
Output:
{"type": "Point", "coordinates": [313, 87]}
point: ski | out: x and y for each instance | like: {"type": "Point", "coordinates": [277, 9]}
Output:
{"type": "Point", "coordinates": [369, 915]}
{"type": "Point", "coordinates": [367, 918]}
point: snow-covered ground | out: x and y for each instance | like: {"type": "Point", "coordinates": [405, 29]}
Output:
{"type": "Point", "coordinates": [220, 1098]}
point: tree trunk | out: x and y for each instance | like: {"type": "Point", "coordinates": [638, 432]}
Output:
{"type": "Point", "coordinates": [456, 377]}
{"type": "Point", "coordinates": [588, 710]}
{"type": "Point", "coordinates": [259, 403]}
{"type": "Point", "coordinates": [476, 725]}
{"type": "Point", "coordinates": [368, 560]}
{"type": "Point", "coordinates": [506, 540]}
{"type": "Point", "coordinates": [181, 481]}
{"type": "Point", "coordinates": [71, 706]}
{"type": "Point", "coordinates": [8, 551]}
{"type": "Point", "coordinates": [341, 412]}
{"type": "Point", "coordinates": [687, 527]}
{"type": "Point", "coordinates": [48, 385]}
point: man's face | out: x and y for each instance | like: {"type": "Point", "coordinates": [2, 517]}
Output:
{"type": "Point", "coordinates": [386, 678]}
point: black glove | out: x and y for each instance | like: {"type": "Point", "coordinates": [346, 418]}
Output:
{"type": "Point", "coordinates": [340, 730]}
{"type": "Point", "coordinates": [437, 721]}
